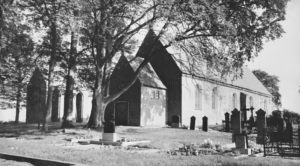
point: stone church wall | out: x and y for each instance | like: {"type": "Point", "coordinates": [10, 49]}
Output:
{"type": "Point", "coordinates": [224, 101]}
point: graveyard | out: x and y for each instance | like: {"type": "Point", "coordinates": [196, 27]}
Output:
{"type": "Point", "coordinates": [134, 83]}
{"type": "Point", "coordinates": [164, 146]}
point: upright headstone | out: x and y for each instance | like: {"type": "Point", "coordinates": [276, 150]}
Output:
{"type": "Point", "coordinates": [260, 126]}
{"type": "Point", "coordinates": [231, 122]}
{"type": "Point", "coordinates": [239, 138]}
{"type": "Point", "coordinates": [55, 105]}
{"type": "Point", "coordinates": [289, 131]}
{"type": "Point", "coordinates": [193, 122]}
{"type": "Point", "coordinates": [109, 128]}
{"type": "Point", "coordinates": [227, 123]}
{"type": "Point", "coordinates": [236, 123]}
{"type": "Point", "coordinates": [280, 125]}
{"type": "Point", "coordinates": [36, 98]}
{"type": "Point", "coordinates": [204, 123]}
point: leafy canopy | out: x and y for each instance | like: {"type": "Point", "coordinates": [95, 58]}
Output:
{"type": "Point", "coordinates": [271, 83]}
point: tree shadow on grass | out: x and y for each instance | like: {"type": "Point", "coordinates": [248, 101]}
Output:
{"type": "Point", "coordinates": [34, 161]}
{"type": "Point", "coordinates": [131, 131]}
{"type": "Point", "coordinates": [12, 130]}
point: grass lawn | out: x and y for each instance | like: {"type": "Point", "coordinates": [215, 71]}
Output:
{"type": "Point", "coordinates": [27, 140]}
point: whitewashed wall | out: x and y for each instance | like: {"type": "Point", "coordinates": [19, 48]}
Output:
{"type": "Point", "coordinates": [7, 115]}
{"type": "Point", "coordinates": [153, 110]}
{"type": "Point", "coordinates": [224, 101]}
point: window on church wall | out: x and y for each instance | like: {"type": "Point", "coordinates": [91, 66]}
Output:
{"type": "Point", "coordinates": [214, 98]}
{"type": "Point", "coordinates": [234, 100]}
{"type": "Point", "coordinates": [265, 105]}
{"type": "Point", "coordinates": [155, 94]}
{"type": "Point", "coordinates": [251, 101]}
{"type": "Point", "coordinates": [198, 97]}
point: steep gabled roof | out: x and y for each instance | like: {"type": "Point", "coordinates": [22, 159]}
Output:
{"type": "Point", "coordinates": [147, 76]}
{"type": "Point", "coordinates": [248, 81]}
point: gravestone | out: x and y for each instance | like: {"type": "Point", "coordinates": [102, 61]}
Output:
{"type": "Point", "coordinates": [36, 98]}
{"type": "Point", "coordinates": [236, 123]}
{"type": "Point", "coordinates": [175, 121]}
{"type": "Point", "coordinates": [239, 138]}
{"type": "Point", "coordinates": [55, 105]}
{"type": "Point", "coordinates": [227, 125]}
{"type": "Point", "coordinates": [260, 126]}
{"type": "Point", "coordinates": [289, 131]}
{"type": "Point", "coordinates": [193, 122]}
{"type": "Point", "coordinates": [280, 125]}
{"type": "Point", "coordinates": [109, 128]}
{"type": "Point", "coordinates": [204, 123]}
{"type": "Point", "coordinates": [241, 144]}
{"type": "Point", "coordinates": [231, 122]}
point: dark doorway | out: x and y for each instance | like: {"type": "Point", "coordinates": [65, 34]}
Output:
{"type": "Point", "coordinates": [243, 108]}
{"type": "Point", "coordinates": [79, 107]}
{"type": "Point", "coordinates": [175, 119]}
{"type": "Point", "coordinates": [193, 122]}
{"type": "Point", "coordinates": [121, 113]}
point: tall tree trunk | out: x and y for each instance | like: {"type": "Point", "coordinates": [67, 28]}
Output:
{"type": "Point", "coordinates": [47, 112]}
{"type": "Point", "coordinates": [94, 119]}
{"type": "Point", "coordinates": [18, 106]}
{"type": "Point", "coordinates": [68, 104]}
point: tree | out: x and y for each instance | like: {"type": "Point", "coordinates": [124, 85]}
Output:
{"type": "Point", "coordinates": [294, 117]}
{"type": "Point", "coordinates": [17, 61]}
{"type": "Point", "coordinates": [225, 33]}
{"type": "Point", "coordinates": [271, 83]}
{"type": "Point", "coordinates": [6, 16]}
{"type": "Point", "coordinates": [49, 14]}
{"type": "Point", "coordinates": [70, 58]}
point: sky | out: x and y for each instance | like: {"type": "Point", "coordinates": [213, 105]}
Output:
{"type": "Point", "coordinates": [282, 58]}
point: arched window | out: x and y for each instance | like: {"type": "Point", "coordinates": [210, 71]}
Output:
{"type": "Point", "coordinates": [265, 105]}
{"type": "Point", "coordinates": [214, 97]}
{"type": "Point", "coordinates": [234, 100]}
{"type": "Point", "coordinates": [198, 97]}
{"type": "Point", "coordinates": [251, 101]}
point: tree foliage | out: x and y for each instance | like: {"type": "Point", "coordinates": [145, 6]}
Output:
{"type": "Point", "coordinates": [271, 83]}
{"type": "Point", "coordinates": [17, 61]}
{"type": "Point", "coordinates": [223, 33]}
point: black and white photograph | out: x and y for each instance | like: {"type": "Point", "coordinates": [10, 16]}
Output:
{"type": "Point", "coordinates": [149, 82]}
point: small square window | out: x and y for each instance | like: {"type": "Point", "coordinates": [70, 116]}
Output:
{"type": "Point", "coordinates": [157, 94]}
{"type": "Point", "coordinates": [153, 94]}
